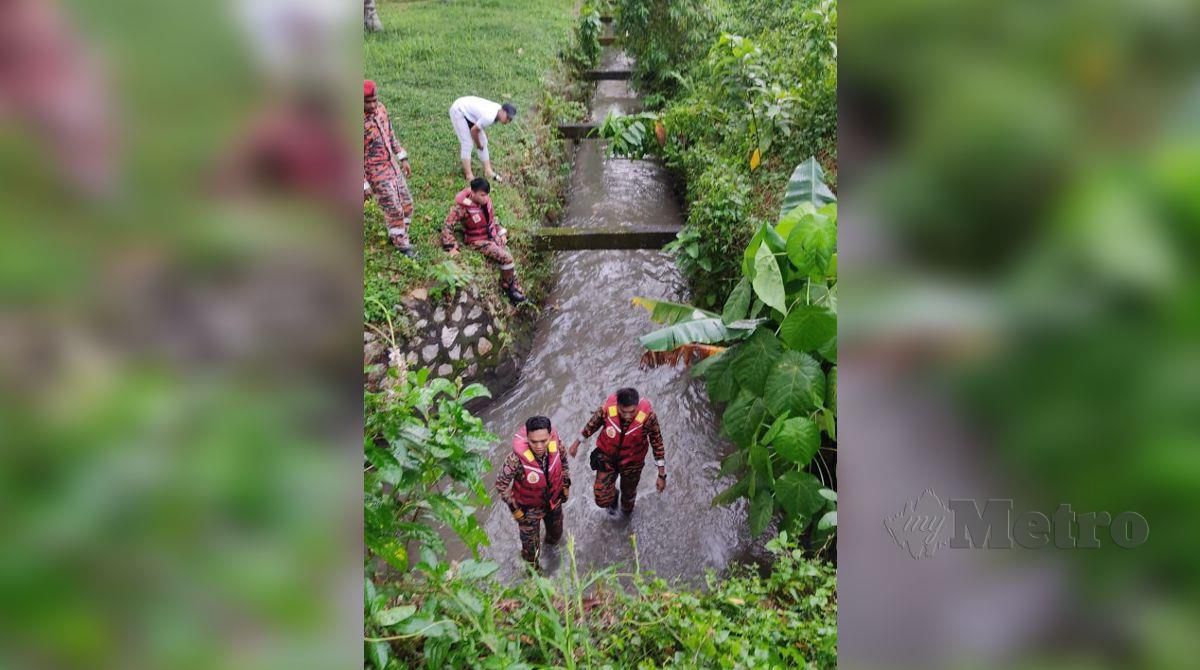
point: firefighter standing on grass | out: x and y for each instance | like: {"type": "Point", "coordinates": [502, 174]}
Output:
{"type": "Point", "coordinates": [534, 482]}
{"type": "Point", "coordinates": [628, 430]}
{"type": "Point", "coordinates": [385, 164]}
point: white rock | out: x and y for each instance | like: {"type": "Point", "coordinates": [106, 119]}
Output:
{"type": "Point", "coordinates": [449, 335]}
{"type": "Point", "coordinates": [429, 353]}
{"type": "Point", "coordinates": [471, 371]}
{"type": "Point", "coordinates": [457, 316]}
{"type": "Point", "coordinates": [475, 313]}
{"type": "Point", "coordinates": [439, 314]}
{"type": "Point", "coordinates": [444, 370]}
{"type": "Point", "coordinates": [470, 330]}
{"type": "Point", "coordinates": [484, 347]}
{"type": "Point", "coordinates": [454, 353]}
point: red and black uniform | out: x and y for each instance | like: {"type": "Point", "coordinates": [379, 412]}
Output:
{"type": "Point", "coordinates": [381, 153]}
{"type": "Point", "coordinates": [537, 486]}
{"type": "Point", "coordinates": [623, 447]}
{"type": "Point", "coordinates": [481, 232]}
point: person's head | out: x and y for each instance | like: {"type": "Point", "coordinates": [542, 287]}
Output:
{"type": "Point", "coordinates": [537, 433]}
{"type": "Point", "coordinates": [627, 402]}
{"type": "Point", "coordinates": [507, 113]}
{"type": "Point", "coordinates": [369, 94]}
{"type": "Point", "coordinates": [480, 188]}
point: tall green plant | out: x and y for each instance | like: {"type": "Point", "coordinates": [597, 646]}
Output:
{"type": "Point", "coordinates": [778, 376]}
{"type": "Point", "coordinates": [425, 456]}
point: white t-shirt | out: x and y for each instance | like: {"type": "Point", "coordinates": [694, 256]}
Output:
{"type": "Point", "coordinates": [478, 111]}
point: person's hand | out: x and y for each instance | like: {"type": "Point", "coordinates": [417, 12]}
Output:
{"type": "Point", "coordinates": [503, 237]}
{"type": "Point", "coordinates": [518, 513]}
{"type": "Point", "coordinates": [406, 168]}
{"type": "Point", "coordinates": [661, 483]}
{"type": "Point", "coordinates": [453, 252]}
{"type": "Point", "coordinates": [566, 492]}
{"type": "Point", "coordinates": [574, 449]}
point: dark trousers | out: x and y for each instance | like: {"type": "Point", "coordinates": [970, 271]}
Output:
{"type": "Point", "coordinates": [530, 528]}
{"type": "Point", "coordinates": [605, 488]}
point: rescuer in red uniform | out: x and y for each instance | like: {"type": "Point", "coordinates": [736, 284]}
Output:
{"type": "Point", "coordinates": [628, 430]}
{"type": "Point", "coordinates": [534, 482]}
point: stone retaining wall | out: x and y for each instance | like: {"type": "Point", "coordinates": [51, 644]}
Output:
{"type": "Point", "coordinates": [460, 336]}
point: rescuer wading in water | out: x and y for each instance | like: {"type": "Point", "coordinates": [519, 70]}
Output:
{"type": "Point", "coordinates": [534, 482]}
{"type": "Point", "coordinates": [628, 429]}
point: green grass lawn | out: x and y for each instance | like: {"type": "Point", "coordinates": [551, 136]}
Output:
{"type": "Point", "coordinates": [429, 54]}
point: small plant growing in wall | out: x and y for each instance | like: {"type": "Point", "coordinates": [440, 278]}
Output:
{"type": "Point", "coordinates": [448, 279]}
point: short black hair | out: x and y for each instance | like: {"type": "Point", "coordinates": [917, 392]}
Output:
{"type": "Point", "coordinates": [627, 397]}
{"type": "Point", "coordinates": [536, 423]}
{"type": "Point", "coordinates": [481, 184]}
{"type": "Point", "coordinates": [509, 109]}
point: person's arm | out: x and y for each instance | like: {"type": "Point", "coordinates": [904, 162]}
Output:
{"type": "Point", "coordinates": [566, 473]}
{"type": "Point", "coordinates": [448, 242]}
{"type": "Point", "coordinates": [654, 435]}
{"type": "Point", "coordinates": [592, 426]}
{"type": "Point", "coordinates": [476, 131]}
{"type": "Point", "coordinates": [504, 481]}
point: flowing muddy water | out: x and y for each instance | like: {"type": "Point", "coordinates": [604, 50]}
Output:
{"type": "Point", "coordinates": [585, 347]}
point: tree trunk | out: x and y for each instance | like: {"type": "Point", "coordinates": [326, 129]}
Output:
{"type": "Point", "coordinates": [371, 22]}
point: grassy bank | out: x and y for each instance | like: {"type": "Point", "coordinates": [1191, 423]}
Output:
{"type": "Point", "coordinates": [429, 54]}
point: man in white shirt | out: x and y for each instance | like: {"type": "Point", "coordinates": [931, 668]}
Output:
{"type": "Point", "coordinates": [470, 116]}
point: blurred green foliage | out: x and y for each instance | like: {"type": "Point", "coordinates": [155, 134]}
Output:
{"type": "Point", "coordinates": [454, 616]}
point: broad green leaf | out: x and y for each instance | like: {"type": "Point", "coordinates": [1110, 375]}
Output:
{"type": "Point", "coordinates": [469, 601]}
{"type": "Point", "coordinates": [768, 280]}
{"type": "Point", "coordinates": [738, 304]}
{"type": "Point", "coordinates": [472, 569]}
{"type": "Point", "coordinates": [828, 521]}
{"type": "Point", "coordinates": [798, 441]}
{"type": "Point", "coordinates": [812, 243]}
{"type": "Point", "coordinates": [807, 184]}
{"type": "Point", "coordinates": [700, 331]}
{"type": "Point", "coordinates": [775, 428]}
{"type": "Point", "coordinates": [733, 462]}
{"type": "Point", "coordinates": [755, 360]}
{"type": "Point", "coordinates": [743, 416]}
{"type": "Point", "coordinates": [760, 462]}
{"type": "Point", "coordinates": [797, 492]}
{"type": "Point", "coordinates": [828, 494]}
{"type": "Point", "coordinates": [808, 327]}
{"type": "Point", "coordinates": [474, 391]}
{"type": "Point", "coordinates": [796, 384]}
{"type": "Point", "coordinates": [761, 509]}
{"type": "Point", "coordinates": [379, 654]}
{"type": "Point", "coordinates": [751, 251]}
{"type": "Point", "coordinates": [394, 615]}
{"type": "Point", "coordinates": [662, 311]}
{"type": "Point", "coordinates": [737, 490]}
{"type": "Point", "coordinates": [719, 377]}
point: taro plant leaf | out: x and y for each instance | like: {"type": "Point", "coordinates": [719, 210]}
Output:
{"type": "Point", "coordinates": [743, 417]}
{"type": "Point", "coordinates": [798, 494]}
{"type": "Point", "coordinates": [808, 328]}
{"type": "Point", "coordinates": [798, 440]}
{"type": "Point", "coordinates": [807, 184]}
{"type": "Point", "coordinates": [768, 280]}
{"type": "Point", "coordinates": [760, 462]}
{"type": "Point", "coordinates": [756, 357]}
{"type": "Point", "coordinates": [812, 243]}
{"type": "Point", "coordinates": [734, 462]}
{"type": "Point", "coordinates": [662, 311]}
{"type": "Point", "coordinates": [761, 509]}
{"type": "Point", "coordinates": [738, 304]}
{"type": "Point", "coordinates": [735, 491]}
{"type": "Point", "coordinates": [795, 384]}
{"type": "Point", "coordinates": [828, 521]}
{"type": "Point", "coordinates": [394, 615]}
{"type": "Point", "coordinates": [722, 385]}
{"type": "Point", "coordinates": [708, 330]}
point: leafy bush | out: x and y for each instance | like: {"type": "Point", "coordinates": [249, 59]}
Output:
{"type": "Point", "coordinates": [585, 52]}
{"type": "Point", "coordinates": [455, 617]}
{"type": "Point", "coordinates": [425, 455]}
{"type": "Point", "coordinates": [778, 375]}
{"type": "Point", "coordinates": [717, 221]}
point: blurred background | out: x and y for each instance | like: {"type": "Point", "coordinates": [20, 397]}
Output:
{"type": "Point", "coordinates": [180, 349]}
{"type": "Point", "coordinates": [1020, 185]}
